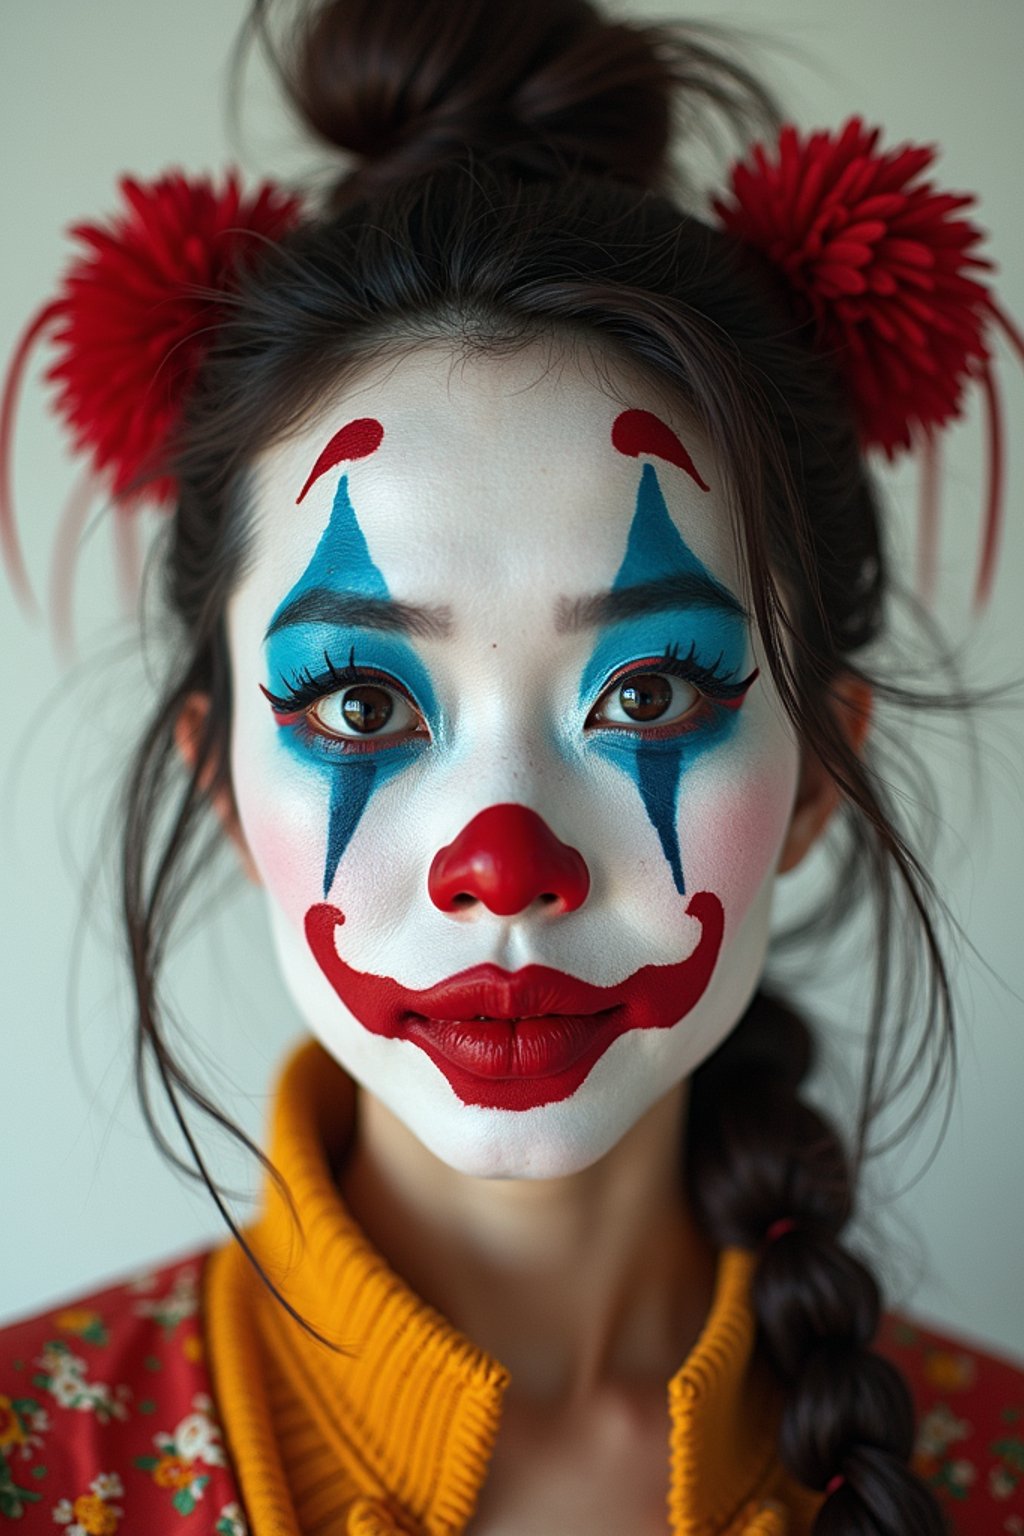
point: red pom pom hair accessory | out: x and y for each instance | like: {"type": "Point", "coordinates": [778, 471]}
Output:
{"type": "Point", "coordinates": [130, 323]}
{"type": "Point", "coordinates": [874, 254]}
{"type": "Point", "coordinates": [888, 271]}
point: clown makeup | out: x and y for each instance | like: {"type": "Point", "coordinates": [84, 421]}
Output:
{"type": "Point", "coordinates": [504, 752]}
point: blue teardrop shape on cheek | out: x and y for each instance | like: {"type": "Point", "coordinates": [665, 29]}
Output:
{"type": "Point", "coordinates": [658, 774]}
{"type": "Point", "coordinates": [351, 788]}
{"type": "Point", "coordinates": [354, 780]}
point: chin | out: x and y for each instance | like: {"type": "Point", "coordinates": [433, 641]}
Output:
{"type": "Point", "coordinates": [553, 1141]}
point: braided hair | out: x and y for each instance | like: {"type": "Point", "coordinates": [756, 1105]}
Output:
{"type": "Point", "coordinates": [756, 1149]}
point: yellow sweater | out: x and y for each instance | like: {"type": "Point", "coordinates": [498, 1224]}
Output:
{"type": "Point", "coordinates": [395, 1435]}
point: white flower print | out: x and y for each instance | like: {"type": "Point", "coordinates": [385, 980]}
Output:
{"type": "Point", "coordinates": [180, 1302]}
{"type": "Point", "coordinates": [197, 1437]}
{"type": "Point", "coordinates": [1000, 1483]}
{"type": "Point", "coordinates": [231, 1522]}
{"type": "Point", "coordinates": [141, 1283]}
{"type": "Point", "coordinates": [962, 1473]}
{"type": "Point", "coordinates": [64, 1378]}
{"type": "Point", "coordinates": [938, 1430]}
{"type": "Point", "coordinates": [103, 1488]}
{"type": "Point", "coordinates": [65, 1391]}
{"type": "Point", "coordinates": [107, 1486]}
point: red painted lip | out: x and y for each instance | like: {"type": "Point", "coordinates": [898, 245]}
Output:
{"type": "Point", "coordinates": [496, 994]}
{"type": "Point", "coordinates": [541, 1031]}
{"type": "Point", "coordinates": [499, 1049]}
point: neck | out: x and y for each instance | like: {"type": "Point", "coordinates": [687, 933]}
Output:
{"type": "Point", "coordinates": [597, 1279]}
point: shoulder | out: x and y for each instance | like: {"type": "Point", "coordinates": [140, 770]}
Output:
{"type": "Point", "coordinates": [970, 1424]}
{"type": "Point", "coordinates": [106, 1414]}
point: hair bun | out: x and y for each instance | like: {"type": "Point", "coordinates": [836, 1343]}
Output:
{"type": "Point", "coordinates": [544, 86]}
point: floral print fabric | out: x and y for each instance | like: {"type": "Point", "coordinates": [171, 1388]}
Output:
{"type": "Point", "coordinates": [107, 1423]}
{"type": "Point", "coordinates": [106, 1419]}
{"type": "Point", "coordinates": [970, 1426]}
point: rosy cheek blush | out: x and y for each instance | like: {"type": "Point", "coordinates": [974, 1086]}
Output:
{"type": "Point", "coordinates": [737, 826]}
{"type": "Point", "coordinates": [283, 824]}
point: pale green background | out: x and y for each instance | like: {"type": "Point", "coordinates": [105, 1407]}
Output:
{"type": "Point", "coordinates": [89, 88]}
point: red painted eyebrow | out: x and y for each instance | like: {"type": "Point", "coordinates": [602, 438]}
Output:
{"type": "Point", "coordinates": [637, 432]}
{"type": "Point", "coordinates": [356, 440]}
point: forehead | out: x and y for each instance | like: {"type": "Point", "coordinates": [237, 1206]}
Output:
{"type": "Point", "coordinates": [494, 476]}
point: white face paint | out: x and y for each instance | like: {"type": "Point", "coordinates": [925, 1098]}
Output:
{"type": "Point", "coordinates": [490, 795]}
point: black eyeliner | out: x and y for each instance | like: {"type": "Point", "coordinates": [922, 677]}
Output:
{"type": "Point", "coordinates": [710, 680]}
{"type": "Point", "coordinates": [304, 687]}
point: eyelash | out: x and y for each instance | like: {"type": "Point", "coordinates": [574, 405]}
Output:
{"type": "Point", "coordinates": [712, 681]}
{"type": "Point", "coordinates": [719, 691]}
{"type": "Point", "coordinates": [305, 687]}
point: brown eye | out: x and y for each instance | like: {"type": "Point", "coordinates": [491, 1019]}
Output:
{"type": "Point", "coordinates": [646, 698]}
{"type": "Point", "coordinates": [363, 709]}
{"type": "Point", "coordinates": [366, 708]}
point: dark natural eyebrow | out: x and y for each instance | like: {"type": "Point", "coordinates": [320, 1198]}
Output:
{"type": "Point", "coordinates": [689, 589]}
{"type": "Point", "coordinates": [321, 605]}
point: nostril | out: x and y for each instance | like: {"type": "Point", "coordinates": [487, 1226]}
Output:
{"type": "Point", "coordinates": [463, 899]}
{"type": "Point", "coordinates": [548, 898]}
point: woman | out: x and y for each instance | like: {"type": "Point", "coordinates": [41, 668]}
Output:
{"type": "Point", "coordinates": [524, 560]}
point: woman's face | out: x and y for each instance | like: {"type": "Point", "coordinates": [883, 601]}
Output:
{"type": "Point", "coordinates": [505, 752]}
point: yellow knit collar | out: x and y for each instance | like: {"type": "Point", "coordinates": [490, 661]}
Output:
{"type": "Point", "coordinates": [412, 1408]}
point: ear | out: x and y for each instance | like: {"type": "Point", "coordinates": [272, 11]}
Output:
{"type": "Point", "coordinates": [188, 729]}
{"type": "Point", "coordinates": [817, 794]}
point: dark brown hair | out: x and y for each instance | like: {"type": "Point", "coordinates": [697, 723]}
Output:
{"type": "Point", "coordinates": [515, 182]}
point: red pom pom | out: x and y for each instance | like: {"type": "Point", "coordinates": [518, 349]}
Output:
{"type": "Point", "coordinates": [135, 312]}
{"type": "Point", "coordinates": [882, 261]}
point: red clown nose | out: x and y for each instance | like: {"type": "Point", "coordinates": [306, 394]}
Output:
{"type": "Point", "coordinates": [506, 858]}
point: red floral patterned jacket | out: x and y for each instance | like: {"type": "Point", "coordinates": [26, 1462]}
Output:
{"type": "Point", "coordinates": [107, 1420]}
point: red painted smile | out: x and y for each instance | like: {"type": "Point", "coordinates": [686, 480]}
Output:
{"type": "Point", "coordinates": [519, 1039]}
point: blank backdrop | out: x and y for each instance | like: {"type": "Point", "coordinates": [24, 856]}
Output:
{"type": "Point", "coordinates": [88, 91]}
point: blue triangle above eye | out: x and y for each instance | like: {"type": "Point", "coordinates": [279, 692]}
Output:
{"type": "Point", "coordinates": [654, 547]}
{"type": "Point", "coordinates": [342, 557]}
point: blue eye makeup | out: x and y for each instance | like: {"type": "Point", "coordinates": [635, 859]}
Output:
{"type": "Point", "coordinates": [647, 705]}
{"type": "Point", "coordinates": [358, 766]}
{"type": "Point", "coordinates": [353, 695]}
{"type": "Point", "coordinates": [656, 755]}
{"type": "Point", "coordinates": [318, 698]}
{"type": "Point", "coordinates": [633, 660]}
{"type": "Point", "coordinates": [350, 708]}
